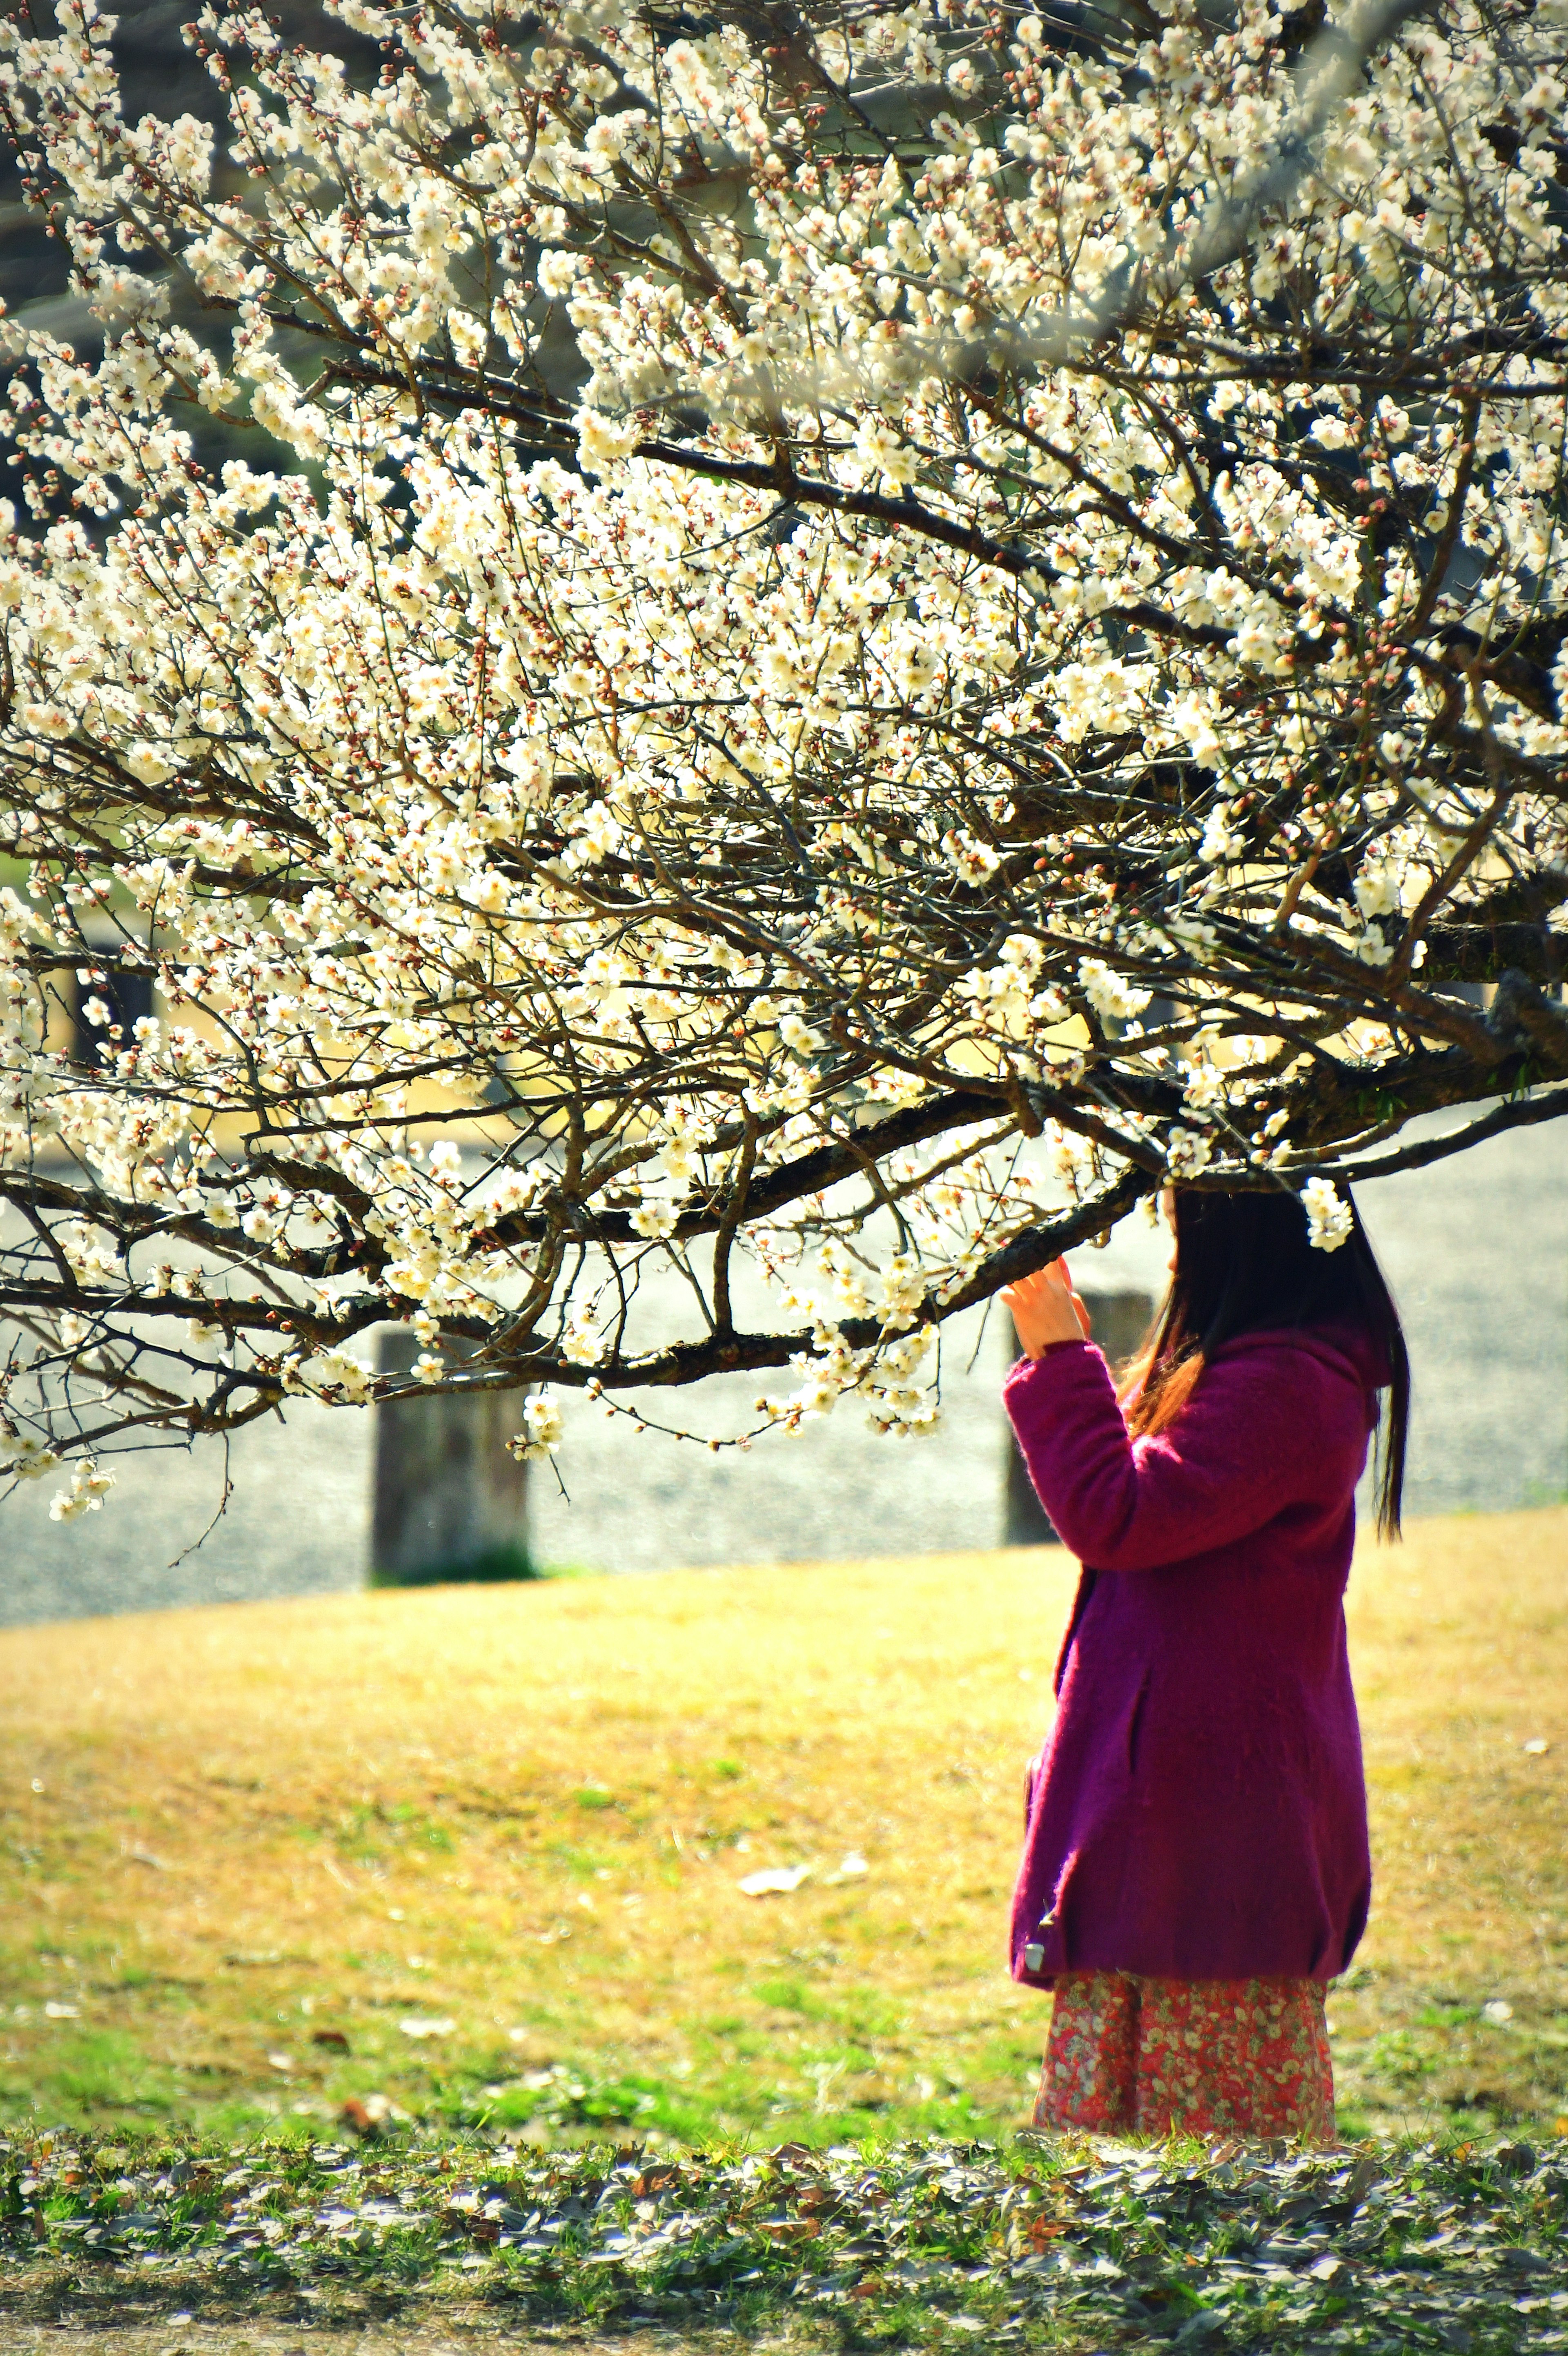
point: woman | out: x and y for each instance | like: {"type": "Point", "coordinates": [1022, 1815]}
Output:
{"type": "Point", "coordinates": [1196, 1865]}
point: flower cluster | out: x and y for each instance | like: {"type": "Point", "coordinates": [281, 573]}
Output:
{"type": "Point", "coordinates": [848, 640]}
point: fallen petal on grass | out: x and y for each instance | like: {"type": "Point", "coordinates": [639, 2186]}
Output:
{"type": "Point", "coordinates": [773, 1881]}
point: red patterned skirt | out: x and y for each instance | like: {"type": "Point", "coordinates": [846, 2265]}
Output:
{"type": "Point", "coordinates": [1212, 2058]}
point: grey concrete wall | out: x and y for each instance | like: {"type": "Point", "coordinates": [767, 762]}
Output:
{"type": "Point", "coordinates": [1476, 1249]}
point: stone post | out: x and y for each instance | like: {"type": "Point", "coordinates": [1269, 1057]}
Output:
{"type": "Point", "coordinates": [449, 1502]}
{"type": "Point", "coordinates": [1119, 1322]}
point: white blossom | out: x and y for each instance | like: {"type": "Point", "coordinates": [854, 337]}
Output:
{"type": "Point", "coordinates": [1377, 889]}
{"type": "Point", "coordinates": [339, 1371]}
{"type": "Point", "coordinates": [1329, 1217]}
{"type": "Point", "coordinates": [1108, 992]}
{"type": "Point", "coordinates": [1220, 839]}
{"type": "Point", "coordinates": [25, 1457]}
{"type": "Point", "coordinates": [542, 1427]}
{"type": "Point", "coordinates": [1188, 1151]}
{"type": "Point", "coordinates": [88, 1487]}
{"type": "Point", "coordinates": [973, 859]}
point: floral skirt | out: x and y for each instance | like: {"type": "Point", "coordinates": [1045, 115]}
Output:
{"type": "Point", "coordinates": [1212, 2058]}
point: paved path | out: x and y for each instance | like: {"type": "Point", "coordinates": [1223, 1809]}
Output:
{"type": "Point", "coordinates": [1476, 1249]}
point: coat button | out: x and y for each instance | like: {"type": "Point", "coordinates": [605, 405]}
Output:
{"type": "Point", "coordinates": [1034, 1956]}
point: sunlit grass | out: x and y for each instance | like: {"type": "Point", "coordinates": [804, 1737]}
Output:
{"type": "Point", "coordinates": [269, 1833]}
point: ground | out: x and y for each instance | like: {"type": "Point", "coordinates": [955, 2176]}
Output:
{"type": "Point", "coordinates": [474, 2333]}
{"type": "Point", "coordinates": [1059, 2245]}
{"type": "Point", "coordinates": [475, 1855]}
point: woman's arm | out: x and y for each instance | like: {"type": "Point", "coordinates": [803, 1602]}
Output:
{"type": "Point", "coordinates": [1268, 1427]}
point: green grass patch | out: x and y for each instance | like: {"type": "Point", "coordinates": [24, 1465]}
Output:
{"type": "Point", "coordinates": [243, 1848]}
{"type": "Point", "coordinates": [929, 2240]}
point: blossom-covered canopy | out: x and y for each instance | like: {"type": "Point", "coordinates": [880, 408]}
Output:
{"type": "Point", "coordinates": [827, 639]}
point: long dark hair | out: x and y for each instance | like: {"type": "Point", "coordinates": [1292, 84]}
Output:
{"type": "Point", "coordinates": [1244, 1265]}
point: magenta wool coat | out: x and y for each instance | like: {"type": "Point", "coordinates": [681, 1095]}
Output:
{"type": "Point", "coordinates": [1200, 1810]}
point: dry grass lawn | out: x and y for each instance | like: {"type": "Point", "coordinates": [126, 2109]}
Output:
{"type": "Point", "coordinates": [247, 1850]}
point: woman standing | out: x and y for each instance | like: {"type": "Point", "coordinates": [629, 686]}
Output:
{"type": "Point", "coordinates": [1196, 1865]}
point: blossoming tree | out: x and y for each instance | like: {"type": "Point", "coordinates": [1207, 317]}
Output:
{"type": "Point", "coordinates": [856, 634]}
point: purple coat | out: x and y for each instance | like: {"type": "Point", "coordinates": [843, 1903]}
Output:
{"type": "Point", "coordinates": [1200, 1810]}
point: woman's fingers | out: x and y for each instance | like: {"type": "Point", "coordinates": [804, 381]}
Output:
{"type": "Point", "coordinates": [1054, 1272]}
{"type": "Point", "coordinates": [1055, 1278]}
{"type": "Point", "coordinates": [1024, 1289]}
{"type": "Point", "coordinates": [1045, 1308]}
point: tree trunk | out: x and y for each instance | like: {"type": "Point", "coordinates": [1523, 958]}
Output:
{"type": "Point", "coordinates": [1119, 1322]}
{"type": "Point", "coordinates": [449, 1502]}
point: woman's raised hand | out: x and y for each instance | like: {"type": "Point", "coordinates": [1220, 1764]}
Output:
{"type": "Point", "coordinates": [1046, 1308]}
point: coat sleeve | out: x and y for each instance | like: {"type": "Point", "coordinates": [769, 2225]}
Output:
{"type": "Point", "coordinates": [1259, 1433]}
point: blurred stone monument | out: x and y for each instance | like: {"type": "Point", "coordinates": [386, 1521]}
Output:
{"type": "Point", "coordinates": [450, 1501]}
{"type": "Point", "coordinates": [1118, 1321]}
